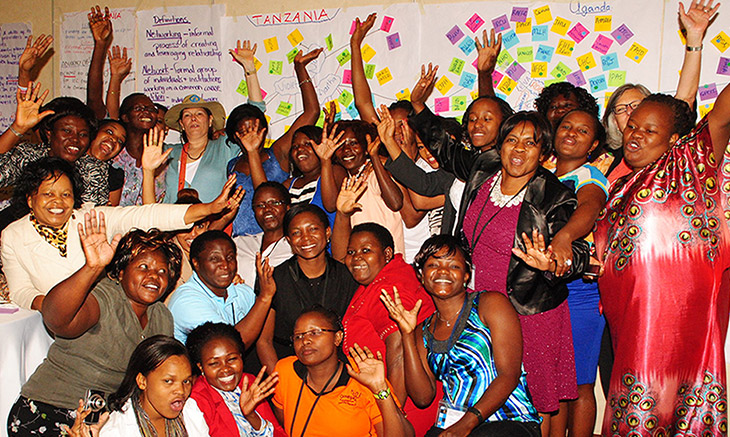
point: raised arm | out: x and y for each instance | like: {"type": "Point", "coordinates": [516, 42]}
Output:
{"type": "Point", "coordinates": [226, 200]}
{"type": "Point", "coordinates": [119, 66]}
{"type": "Point", "coordinates": [265, 344]}
{"type": "Point", "coordinates": [251, 136]}
{"type": "Point", "coordinates": [331, 176]}
{"type": "Point", "coordinates": [153, 157]}
{"type": "Point", "coordinates": [486, 60]}
{"type": "Point", "coordinates": [101, 29]}
{"type": "Point", "coordinates": [244, 55]}
{"type": "Point", "coordinates": [32, 56]}
{"type": "Point", "coordinates": [27, 116]}
{"type": "Point", "coordinates": [360, 86]}
{"type": "Point", "coordinates": [250, 326]}
{"type": "Point", "coordinates": [695, 22]}
{"type": "Point", "coordinates": [719, 122]}
{"type": "Point", "coordinates": [389, 191]}
{"type": "Point", "coordinates": [352, 189]}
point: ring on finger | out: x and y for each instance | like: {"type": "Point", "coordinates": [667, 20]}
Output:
{"type": "Point", "coordinates": [568, 263]}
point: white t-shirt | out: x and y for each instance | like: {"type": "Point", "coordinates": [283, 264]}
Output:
{"type": "Point", "coordinates": [124, 424]}
{"type": "Point", "coordinates": [415, 236]}
{"type": "Point", "coordinates": [190, 169]}
{"type": "Point", "coordinates": [246, 248]}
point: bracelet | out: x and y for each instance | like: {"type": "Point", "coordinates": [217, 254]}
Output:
{"type": "Point", "coordinates": [23, 88]}
{"type": "Point", "coordinates": [475, 411]}
{"type": "Point", "coordinates": [249, 73]}
{"type": "Point", "coordinates": [694, 48]}
{"type": "Point", "coordinates": [305, 81]}
{"type": "Point", "coordinates": [14, 131]}
{"type": "Point", "coordinates": [382, 394]}
{"type": "Point", "coordinates": [112, 92]}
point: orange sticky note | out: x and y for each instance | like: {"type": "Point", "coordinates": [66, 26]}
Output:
{"type": "Point", "coordinates": [721, 41]}
{"type": "Point", "coordinates": [636, 52]}
{"type": "Point", "coordinates": [524, 27]}
{"type": "Point", "coordinates": [384, 76]}
{"type": "Point", "coordinates": [586, 62]}
{"type": "Point", "coordinates": [257, 64]}
{"type": "Point", "coordinates": [403, 94]}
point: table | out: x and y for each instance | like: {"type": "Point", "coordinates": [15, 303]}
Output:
{"type": "Point", "coordinates": [24, 344]}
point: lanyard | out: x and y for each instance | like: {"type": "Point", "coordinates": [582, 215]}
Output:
{"type": "Point", "coordinates": [299, 398]}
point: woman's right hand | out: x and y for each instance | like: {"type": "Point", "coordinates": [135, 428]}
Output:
{"type": "Point", "coordinates": [119, 63]}
{"type": "Point", "coordinates": [251, 136]}
{"type": "Point", "coordinates": [244, 55]}
{"type": "Point", "coordinates": [424, 86]}
{"type": "Point", "coordinates": [362, 28]}
{"type": "Point", "coordinates": [405, 319]}
{"type": "Point", "coordinates": [81, 429]}
{"type": "Point", "coordinates": [266, 277]}
{"type": "Point", "coordinates": [386, 126]}
{"type": "Point", "coordinates": [351, 190]}
{"type": "Point", "coordinates": [33, 53]}
{"type": "Point", "coordinates": [225, 200]}
{"type": "Point", "coordinates": [366, 368]}
{"type": "Point", "coordinates": [330, 141]}
{"type": "Point", "coordinates": [27, 114]}
{"type": "Point", "coordinates": [152, 155]}
{"type": "Point", "coordinates": [97, 249]}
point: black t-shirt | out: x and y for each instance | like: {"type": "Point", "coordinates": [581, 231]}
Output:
{"type": "Point", "coordinates": [116, 178]}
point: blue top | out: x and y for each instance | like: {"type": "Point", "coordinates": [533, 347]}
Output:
{"type": "Point", "coordinates": [584, 175]}
{"type": "Point", "coordinates": [465, 365]}
{"type": "Point", "coordinates": [193, 304]}
{"type": "Point", "coordinates": [245, 222]}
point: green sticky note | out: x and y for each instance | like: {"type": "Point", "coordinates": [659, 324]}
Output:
{"type": "Point", "coordinates": [346, 98]}
{"type": "Point", "coordinates": [524, 54]}
{"type": "Point", "coordinates": [459, 119]}
{"type": "Point", "coordinates": [292, 54]}
{"type": "Point", "coordinates": [328, 41]}
{"type": "Point", "coordinates": [616, 78]}
{"type": "Point", "coordinates": [343, 57]}
{"type": "Point", "coordinates": [320, 121]}
{"type": "Point", "coordinates": [457, 65]}
{"type": "Point", "coordinates": [284, 108]}
{"type": "Point", "coordinates": [560, 71]}
{"type": "Point", "coordinates": [505, 59]}
{"type": "Point", "coordinates": [458, 103]}
{"type": "Point", "coordinates": [275, 67]}
{"type": "Point", "coordinates": [552, 81]}
{"type": "Point", "coordinates": [242, 88]}
{"type": "Point", "coordinates": [369, 71]}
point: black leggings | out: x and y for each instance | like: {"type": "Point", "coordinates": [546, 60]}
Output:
{"type": "Point", "coordinates": [503, 428]}
{"type": "Point", "coordinates": [28, 417]}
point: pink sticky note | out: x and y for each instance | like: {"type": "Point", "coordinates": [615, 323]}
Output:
{"type": "Point", "coordinates": [496, 78]}
{"type": "Point", "coordinates": [441, 104]}
{"type": "Point", "coordinates": [352, 28]}
{"type": "Point", "coordinates": [500, 23]}
{"type": "Point", "coordinates": [578, 32]}
{"type": "Point", "coordinates": [476, 63]}
{"type": "Point", "coordinates": [475, 22]}
{"type": "Point", "coordinates": [387, 22]}
{"type": "Point", "coordinates": [708, 92]}
{"type": "Point", "coordinates": [393, 41]}
{"type": "Point", "coordinates": [519, 15]}
{"type": "Point", "coordinates": [263, 93]}
{"type": "Point", "coordinates": [622, 34]}
{"type": "Point", "coordinates": [515, 71]}
{"type": "Point", "coordinates": [576, 78]}
{"type": "Point", "coordinates": [602, 44]}
{"type": "Point", "coordinates": [347, 77]}
{"type": "Point", "coordinates": [455, 34]}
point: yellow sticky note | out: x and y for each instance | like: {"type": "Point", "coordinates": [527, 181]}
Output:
{"type": "Point", "coordinates": [507, 85]}
{"type": "Point", "coordinates": [367, 53]}
{"type": "Point", "coordinates": [538, 69]}
{"type": "Point", "coordinates": [721, 41]}
{"type": "Point", "coordinates": [704, 109]}
{"type": "Point", "coordinates": [474, 94]}
{"type": "Point", "coordinates": [268, 143]}
{"type": "Point", "coordinates": [606, 98]}
{"type": "Point", "coordinates": [257, 64]}
{"type": "Point", "coordinates": [444, 85]}
{"type": "Point", "coordinates": [295, 37]}
{"type": "Point", "coordinates": [682, 37]}
{"type": "Point", "coordinates": [337, 105]}
{"type": "Point", "coordinates": [565, 47]}
{"type": "Point", "coordinates": [525, 27]}
{"type": "Point", "coordinates": [384, 76]}
{"type": "Point", "coordinates": [586, 62]}
{"type": "Point", "coordinates": [542, 14]}
{"type": "Point", "coordinates": [636, 52]}
{"type": "Point", "coordinates": [602, 23]}
{"type": "Point", "coordinates": [268, 118]}
{"type": "Point", "coordinates": [560, 26]}
{"type": "Point", "coordinates": [271, 44]}
{"type": "Point", "coordinates": [403, 94]}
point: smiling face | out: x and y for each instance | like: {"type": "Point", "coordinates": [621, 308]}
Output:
{"type": "Point", "coordinates": [445, 276]}
{"type": "Point", "coordinates": [221, 363]}
{"type": "Point", "coordinates": [559, 106]}
{"type": "Point", "coordinates": [575, 136]}
{"type": "Point", "coordinates": [351, 154]}
{"type": "Point", "coordinates": [186, 238]}
{"type": "Point", "coordinates": [216, 265]}
{"type": "Point", "coordinates": [302, 154]}
{"type": "Point", "coordinates": [308, 236]}
{"type": "Point", "coordinates": [145, 278]}
{"type": "Point", "coordinates": [69, 138]}
{"type": "Point", "coordinates": [165, 389]}
{"type": "Point", "coordinates": [195, 122]}
{"type": "Point", "coordinates": [648, 134]}
{"type": "Point", "coordinates": [108, 142]}
{"type": "Point", "coordinates": [366, 257]}
{"type": "Point", "coordinates": [142, 115]}
{"type": "Point", "coordinates": [320, 345]}
{"type": "Point", "coordinates": [483, 123]}
{"type": "Point", "coordinates": [628, 98]}
{"type": "Point", "coordinates": [52, 204]}
{"type": "Point", "coordinates": [269, 215]}
{"type": "Point", "coordinates": [520, 152]}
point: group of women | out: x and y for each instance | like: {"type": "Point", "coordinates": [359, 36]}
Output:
{"type": "Point", "coordinates": [398, 275]}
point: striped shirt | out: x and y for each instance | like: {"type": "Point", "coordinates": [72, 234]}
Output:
{"type": "Point", "coordinates": [584, 175]}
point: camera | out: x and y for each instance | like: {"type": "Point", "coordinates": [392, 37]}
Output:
{"type": "Point", "coordinates": [94, 401]}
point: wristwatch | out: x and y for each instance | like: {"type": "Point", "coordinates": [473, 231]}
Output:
{"type": "Point", "coordinates": [475, 411]}
{"type": "Point", "coordinates": [382, 394]}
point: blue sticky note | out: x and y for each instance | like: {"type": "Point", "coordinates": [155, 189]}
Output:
{"type": "Point", "coordinates": [353, 111]}
{"type": "Point", "coordinates": [467, 46]}
{"type": "Point", "coordinates": [539, 33]}
{"type": "Point", "coordinates": [609, 61]}
{"type": "Point", "coordinates": [544, 53]}
{"type": "Point", "coordinates": [598, 83]}
{"type": "Point", "coordinates": [467, 80]}
{"type": "Point", "coordinates": [501, 96]}
{"type": "Point", "coordinates": [509, 39]}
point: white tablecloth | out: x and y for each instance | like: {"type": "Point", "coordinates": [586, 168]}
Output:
{"type": "Point", "coordinates": [24, 344]}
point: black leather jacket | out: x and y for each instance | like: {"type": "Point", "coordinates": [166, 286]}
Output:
{"type": "Point", "coordinates": [547, 206]}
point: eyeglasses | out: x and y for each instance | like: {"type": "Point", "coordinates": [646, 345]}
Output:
{"type": "Point", "coordinates": [140, 108]}
{"type": "Point", "coordinates": [314, 333]}
{"type": "Point", "coordinates": [269, 203]}
{"type": "Point", "coordinates": [620, 109]}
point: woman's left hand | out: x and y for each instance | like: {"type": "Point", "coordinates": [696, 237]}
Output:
{"type": "Point", "coordinates": [244, 55]}
{"type": "Point", "coordinates": [152, 153]}
{"type": "Point", "coordinates": [251, 136]}
{"type": "Point", "coordinates": [98, 251]}
{"type": "Point", "coordinates": [225, 200]}
{"type": "Point", "coordinates": [697, 18]}
{"type": "Point", "coordinates": [366, 368]}
{"type": "Point", "coordinates": [302, 59]}
{"type": "Point", "coordinates": [373, 146]}
{"type": "Point", "coordinates": [266, 277]}
{"type": "Point", "coordinates": [535, 254]}
{"type": "Point", "coordinates": [252, 395]}
{"type": "Point", "coordinates": [462, 428]}
{"type": "Point", "coordinates": [81, 429]}
{"type": "Point", "coordinates": [562, 250]}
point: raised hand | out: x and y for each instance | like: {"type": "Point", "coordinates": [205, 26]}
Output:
{"type": "Point", "coordinates": [266, 277]}
{"type": "Point", "coordinates": [373, 146]}
{"type": "Point", "coordinates": [252, 395]}
{"type": "Point", "coordinates": [696, 20]}
{"type": "Point", "coordinates": [119, 64]}
{"type": "Point", "coordinates": [225, 200]}
{"type": "Point", "coordinates": [97, 249]}
{"type": "Point", "coordinates": [366, 368]}
{"type": "Point", "coordinates": [351, 190]}
{"type": "Point", "coordinates": [330, 140]}
{"type": "Point", "coordinates": [302, 60]}
{"type": "Point", "coordinates": [425, 84]}
{"type": "Point", "coordinates": [362, 28]}
{"type": "Point", "coordinates": [101, 25]}
{"type": "Point", "coordinates": [29, 103]}
{"type": "Point", "coordinates": [386, 126]}
{"type": "Point", "coordinates": [244, 55]}
{"type": "Point", "coordinates": [330, 115]}
{"type": "Point", "coordinates": [535, 254]}
{"type": "Point", "coordinates": [251, 136]}
{"type": "Point", "coordinates": [32, 54]}
{"type": "Point", "coordinates": [488, 51]}
{"type": "Point", "coordinates": [152, 155]}
{"type": "Point", "coordinates": [405, 319]}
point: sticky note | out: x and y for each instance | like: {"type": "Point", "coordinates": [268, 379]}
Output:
{"type": "Point", "coordinates": [519, 15]}
{"type": "Point", "coordinates": [263, 93]}
{"type": "Point", "coordinates": [524, 26]}
{"type": "Point", "coordinates": [544, 53]}
{"type": "Point", "coordinates": [444, 85]}
{"type": "Point", "coordinates": [369, 71]}
{"type": "Point", "coordinates": [456, 66]}
{"type": "Point", "coordinates": [602, 44]}
{"type": "Point", "coordinates": [384, 76]}
{"type": "Point", "coordinates": [565, 47]}
{"type": "Point", "coordinates": [504, 58]}
{"type": "Point", "coordinates": [352, 27]}
{"type": "Point", "coordinates": [723, 66]}
{"type": "Point", "coordinates": [393, 41]}
{"type": "Point", "coordinates": [549, 82]}
{"type": "Point", "coordinates": [560, 71]}
{"type": "Point", "coordinates": [242, 88]}
{"type": "Point", "coordinates": [268, 142]}
{"type": "Point", "coordinates": [344, 57]}
{"type": "Point", "coordinates": [682, 37]}
{"type": "Point", "coordinates": [367, 52]}
{"type": "Point", "coordinates": [538, 70]}
{"type": "Point", "coordinates": [275, 67]}
{"type": "Point", "coordinates": [500, 23]}
{"type": "Point", "coordinates": [467, 80]}
{"type": "Point", "coordinates": [475, 22]}
{"type": "Point", "coordinates": [347, 77]}
{"type": "Point", "coordinates": [721, 41]}
{"type": "Point", "coordinates": [441, 104]}
{"type": "Point", "coordinates": [352, 110]}
{"type": "Point", "coordinates": [576, 78]}
{"type": "Point", "coordinates": [510, 39]}
{"type": "Point", "coordinates": [386, 24]}
{"type": "Point", "coordinates": [578, 32]}
{"type": "Point", "coordinates": [602, 23]}
{"type": "Point", "coordinates": [524, 54]}
{"type": "Point", "coordinates": [636, 52]}
{"type": "Point", "coordinates": [458, 103]}
{"type": "Point", "coordinates": [586, 62]}
{"type": "Point", "coordinates": [705, 109]}
{"type": "Point", "coordinates": [540, 33]}
{"type": "Point", "coordinates": [507, 85]}
{"type": "Point", "coordinates": [337, 105]}
{"type": "Point", "coordinates": [622, 34]}
{"type": "Point", "coordinates": [598, 83]}
{"type": "Point", "coordinates": [708, 92]}
{"type": "Point", "coordinates": [515, 71]}
{"type": "Point", "coordinates": [293, 54]}
{"type": "Point", "coordinates": [345, 98]}
{"type": "Point", "coordinates": [295, 37]}
{"type": "Point", "coordinates": [271, 44]}
{"type": "Point", "coordinates": [542, 14]}
{"type": "Point", "coordinates": [609, 62]}
{"type": "Point", "coordinates": [616, 78]}
{"type": "Point", "coordinates": [560, 26]}
{"type": "Point", "coordinates": [467, 46]}
{"type": "Point", "coordinates": [474, 94]}
{"type": "Point", "coordinates": [284, 108]}
{"type": "Point", "coordinates": [328, 42]}
{"type": "Point", "coordinates": [403, 94]}
{"type": "Point", "coordinates": [455, 34]}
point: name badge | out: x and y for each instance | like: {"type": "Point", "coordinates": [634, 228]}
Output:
{"type": "Point", "coordinates": [448, 414]}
